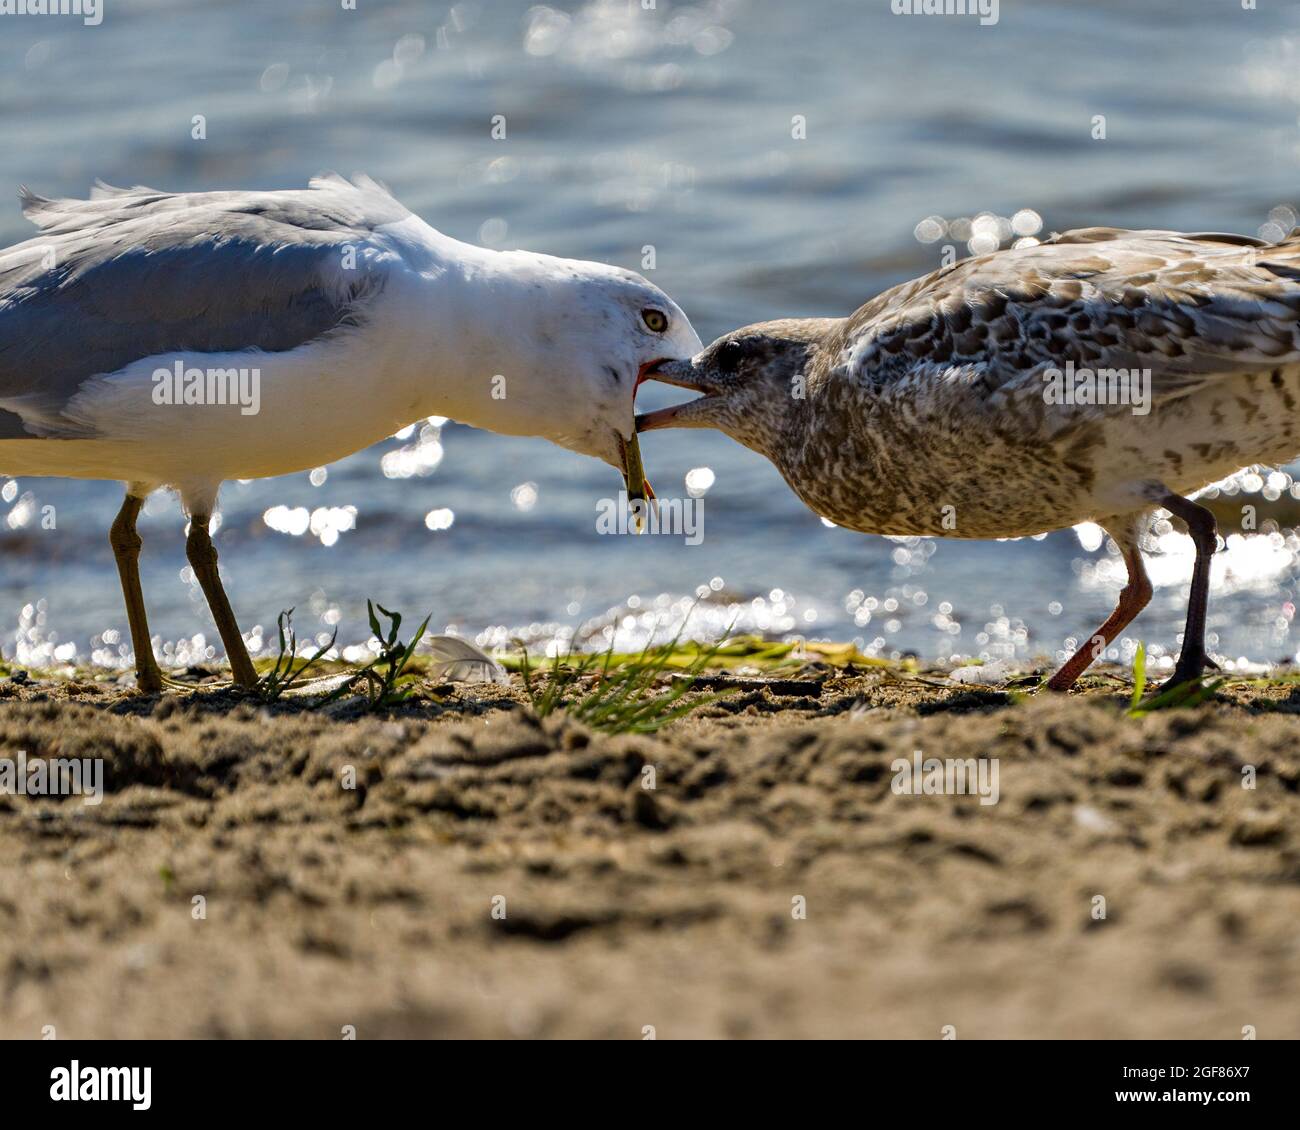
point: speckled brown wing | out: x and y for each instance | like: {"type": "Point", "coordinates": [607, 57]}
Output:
{"type": "Point", "coordinates": [1192, 308]}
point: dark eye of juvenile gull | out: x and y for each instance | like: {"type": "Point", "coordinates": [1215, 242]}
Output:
{"type": "Point", "coordinates": [729, 356]}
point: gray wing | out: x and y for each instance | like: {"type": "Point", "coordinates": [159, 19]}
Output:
{"type": "Point", "coordinates": [1192, 308]}
{"type": "Point", "coordinates": [135, 273]}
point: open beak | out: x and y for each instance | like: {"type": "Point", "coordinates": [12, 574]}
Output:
{"type": "Point", "coordinates": [681, 374]}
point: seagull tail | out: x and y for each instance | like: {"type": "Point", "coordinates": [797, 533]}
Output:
{"type": "Point", "coordinates": [31, 204]}
{"type": "Point", "coordinates": [360, 182]}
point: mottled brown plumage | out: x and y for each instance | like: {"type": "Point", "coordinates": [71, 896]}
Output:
{"type": "Point", "coordinates": [928, 411]}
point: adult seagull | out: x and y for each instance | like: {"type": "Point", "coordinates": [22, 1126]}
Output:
{"type": "Point", "coordinates": [1097, 376]}
{"type": "Point", "coordinates": [180, 339]}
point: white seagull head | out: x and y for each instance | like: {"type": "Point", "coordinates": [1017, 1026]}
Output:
{"type": "Point", "coordinates": [587, 336]}
{"type": "Point", "coordinates": [521, 343]}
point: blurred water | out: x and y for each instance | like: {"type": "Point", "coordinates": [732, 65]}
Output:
{"type": "Point", "coordinates": [626, 127]}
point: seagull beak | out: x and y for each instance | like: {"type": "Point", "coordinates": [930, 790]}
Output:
{"type": "Point", "coordinates": [680, 374]}
{"type": "Point", "coordinates": [629, 450]}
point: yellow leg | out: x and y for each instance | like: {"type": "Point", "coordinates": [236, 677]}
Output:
{"type": "Point", "coordinates": [202, 556]}
{"type": "Point", "coordinates": [126, 548]}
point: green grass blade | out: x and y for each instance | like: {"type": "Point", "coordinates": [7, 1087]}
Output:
{"type": "Point", "coordinates": [1139, 676]}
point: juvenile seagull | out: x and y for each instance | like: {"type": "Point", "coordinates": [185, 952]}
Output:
{"type": "Point", "coordinates": [132, 327]}
{"type": "Point", "coordinates": [937, 410]}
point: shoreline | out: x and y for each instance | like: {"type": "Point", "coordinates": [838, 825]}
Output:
{"type": "Point", "coordinates": [494, 874]}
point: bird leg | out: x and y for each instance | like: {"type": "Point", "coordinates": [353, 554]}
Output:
{"type": "Point", "coordinates": [202, 555]}
{"type": "Point", "coordinates": [1192, 659]}
{"type": "Point", "coordinates": [1132, 599]}
{"type": "Point", "coordinates": [126, 548]}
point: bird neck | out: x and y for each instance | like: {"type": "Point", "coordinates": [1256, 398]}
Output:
{"type": "Point", "coordinates": [463, 329]}
{"type": "Point", "coordinates": [783, 403]}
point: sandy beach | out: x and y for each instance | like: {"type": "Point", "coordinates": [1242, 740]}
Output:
{"type": "Point", "coordinates": [492, 874]}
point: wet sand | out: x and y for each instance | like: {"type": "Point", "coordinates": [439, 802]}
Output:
{"type": "Point", "coordinates": [492, 874]}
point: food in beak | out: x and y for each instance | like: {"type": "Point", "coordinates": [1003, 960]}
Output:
{"type": "Point", "coordinates": [638, 488]}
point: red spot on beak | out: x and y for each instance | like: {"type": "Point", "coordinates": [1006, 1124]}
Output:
{"type": "Point", "coordinates": [645, 371]}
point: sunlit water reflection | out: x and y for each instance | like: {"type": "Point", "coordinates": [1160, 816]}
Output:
{"type": "Point", "coordinates": [659, 137]}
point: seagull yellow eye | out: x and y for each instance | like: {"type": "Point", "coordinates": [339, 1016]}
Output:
{"type": "Point", "coordinates": [655, 320]}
